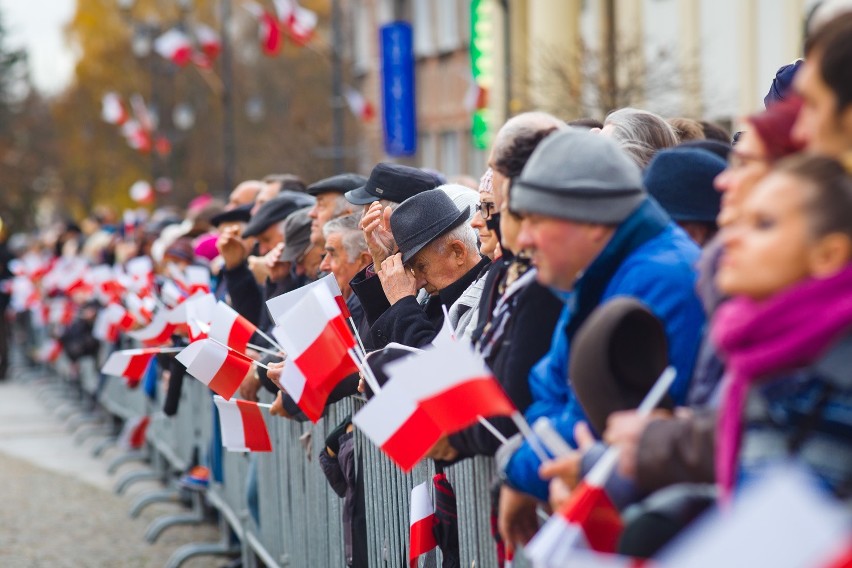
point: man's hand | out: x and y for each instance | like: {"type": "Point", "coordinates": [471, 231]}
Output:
{"type": "Point", "coordinates": [250, 386]}
{"type": "Point", "coordinates": [231, 248]}
{"type": "Point", "coordinates": [376, 227]}
{"type": "Point", "coordinates": [274, 373]}
{"type": "Point", "coordinates": [624, 429]}
{"type": "Point", "coordinates": [397, 281]}
{"type": "Point", "coordinates": [278, 407]}
{"type": "Point", "coordinates": [442, 450]}
{"type": "Point", "coordinates": [517, 522]}
{"type": "Point", "coordinates": [569, 468]}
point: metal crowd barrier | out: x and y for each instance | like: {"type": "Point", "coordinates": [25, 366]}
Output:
{"type": "Point", "coordinates": [300, 521]}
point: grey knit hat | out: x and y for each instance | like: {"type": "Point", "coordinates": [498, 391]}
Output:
{"type": "Point", "coordinates": [579, 176]}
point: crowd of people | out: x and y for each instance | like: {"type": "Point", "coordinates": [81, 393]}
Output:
{"type": "Point", "coordinates": [741, 251]}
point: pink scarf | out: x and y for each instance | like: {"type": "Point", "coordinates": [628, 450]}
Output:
{"type": "Point", "coordinates": [759, 340]}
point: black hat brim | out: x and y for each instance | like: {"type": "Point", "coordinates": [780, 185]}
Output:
{"type": "Point", "coordinates": [360, 196]}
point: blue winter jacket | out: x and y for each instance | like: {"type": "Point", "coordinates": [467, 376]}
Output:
{"type": "Point", "coordinates": [648, 258]}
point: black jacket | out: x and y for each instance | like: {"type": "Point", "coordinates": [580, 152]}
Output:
{"type": "Point", "coordinates": [408, 322]}
{"type": "Point", "coordinates": [246, 295]}
{"type": "Point", "coordinates": [525, 340]}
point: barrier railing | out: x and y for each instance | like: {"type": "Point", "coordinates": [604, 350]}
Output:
{"type": "Point", "coordinates": [299, 522]}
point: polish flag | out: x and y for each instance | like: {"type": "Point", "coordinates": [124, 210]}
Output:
{"type": "Point", "coordinates": [132, 435]}
{"type": "Point", "coordinates": [218, 367]}
{"type": "Point", "coordinates": [269, 30]}
{"type": "Point", "coordinates": [299, 23]}
{"type": "Point", "coordinates": [452, 385]}
{"type": "Point", "coordinates": [158, 332]}
{"type": "Point", "coordinates": [142, 310]}
{"type": "Point", "coordinates": [130, 363]}
{"type": "Point", "coordinates": [317, 342]}
{"type": "Point", "coordinates": [394, 422]}
{"type": "Point", "coordinates": [421, 521]}
{"type": "Point", "coordinates": [191, 280]}
{"type": "Point", "coordinates": [139, 139]}
{"type": "Point", "coordinates": [230, 328]}
{"type": "Point", "coordinates": [141, 272]}
{"type": "Point", "coordinates": [171, 294]}
{"type": "Point", "coordinates": [110, 321]}
{"type": "Point", "coordinates": [208, 40]}
{"type": "Point", "coordinates": [280, 305]}
{"type": "Point", "coordinates": [112, 109]}
{"type": "Point", "coordinates": [175, 46]}
{"type": "Point", "coordinates": [49, 352]}
{"type": "Point", "coordinates": [360, 107]}
{"type": "Point", "coordinates": [199, 312]}
{"type": "Point", "coordinates": [242, 425]}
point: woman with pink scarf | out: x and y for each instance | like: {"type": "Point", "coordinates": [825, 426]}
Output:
{"type": "Point", "coordinates": [786, 334]}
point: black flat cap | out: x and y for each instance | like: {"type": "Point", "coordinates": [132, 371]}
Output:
{"type": "Point", "coordinates": [423, 218]}
{"type": "Point", "coordinates": [616, 357]}
{"type": "Point", "coordinates": [276, 210]}
{"type": "Point", "coordinates": [392, 182]}
{"type": "Point", "coordinates": [240, 214]}
{"type": "Point", "coordinates": [338, 184]}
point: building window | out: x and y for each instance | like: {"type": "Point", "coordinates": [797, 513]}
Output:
{"type": "Point", "coordinates": [428, 150]}
{"type": "Point", "coordinates": [424, 33]}
{"type": "Point", "coordinates": [362, 28]}
{"type": "Point", "coordinates": [448, 31]}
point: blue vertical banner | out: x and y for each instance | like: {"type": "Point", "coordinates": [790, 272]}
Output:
{"type": "Point", "coordinates": [398, 96]}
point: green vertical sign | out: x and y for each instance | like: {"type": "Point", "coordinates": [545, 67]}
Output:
{"type": "Point", "coordinates": [482, 65]}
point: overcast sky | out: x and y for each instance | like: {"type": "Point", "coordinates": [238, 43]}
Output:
{"type": "Point", "coordinates": [37, 26]}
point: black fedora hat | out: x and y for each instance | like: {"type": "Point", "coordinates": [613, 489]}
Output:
{"type": "Point", "coordinates": [393, 182]}
{"type": "Point", "coordinates": [616, 357]}
{"type": "Point", "coordinates": [423, 218]}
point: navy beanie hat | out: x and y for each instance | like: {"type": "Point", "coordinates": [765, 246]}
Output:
{"type": "Point", "coordinates": [681, 180]}
{"type": "Point", "coordinates": [782, 83]}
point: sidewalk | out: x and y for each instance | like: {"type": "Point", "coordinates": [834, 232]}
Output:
{"type": "Point", "coordinates": [57, 507]}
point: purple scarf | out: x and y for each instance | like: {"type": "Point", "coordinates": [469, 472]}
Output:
{"type": "Point", "coordinates": [759, 340]}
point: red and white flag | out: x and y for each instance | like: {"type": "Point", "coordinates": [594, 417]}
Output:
{"type": "Point", "coordinates": [141, 309]}
{"type": "Point", "coordinates": [428, 395]}
{"type": "Point", "coordinates": [139, 139]}
{"type": "Point", "coordinates": [317, 341]}
{"type": "Point", "coordinates": [158, 332]}
{"type": "Point", "coordinates": [141, 273]}
{"type": "Point", "coordinates": [218, 367]}
{"type": "Point", "coordinates": [360, 106]}
{"type": "Point", "coordinates": [242, 425]}
{"type": "Point", "coordinates": [112, 109]}
{"type": "Point", "coordinates": [132, 435]}
{"type": "Point", "coordinates": [208, 40]}
{"type": "Point", "coordinates": [175, 46]}
{"type": "Point", "coordinates": [49, 351]}
{"type": "Point", "coordinates": [421, 521]}
{"type": "Point", "coordinates": [131, 363]}
{"type": "Point", "coordinates": [110, 321]}
{"type": "Point", "coordinates": [191, 280]}
{"type": "Point", "coordinates": [299, 23]}
{"type": "Point", "coordinates": [269, 29]}
{"type": "Point", "coordinates": [230, 328]}
{"type": "Point", "coordinates": [198, 313]}
{"type": "Point", "coordinates": [280, 305]}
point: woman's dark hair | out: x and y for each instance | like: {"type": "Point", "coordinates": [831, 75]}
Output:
{"type": "Point", "coordinates": [513, 158]}
{"type": "Point", "coordinates": [587, 123]}
{"type": "Point", "coordinates": [833, 41]}
{"type": "Point", "coordinates": [829, 201]}
{"type": "Point", "coordinates": [713, 131]}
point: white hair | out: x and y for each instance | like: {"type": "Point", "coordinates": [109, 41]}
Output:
{"type": "Point", "coordinates": [463, 233]}
{"type": "Point", "coordinates": [640, 133]}
{"type": "Point", "coordinates": [464, 198]}
{"type": "Point", "coordinates": [351, 235]}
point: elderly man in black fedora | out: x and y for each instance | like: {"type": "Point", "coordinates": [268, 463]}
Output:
{"type": "Point", "coordinates": [438, 253]}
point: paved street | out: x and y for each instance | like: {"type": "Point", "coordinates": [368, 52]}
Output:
{"type": "Point", "coordinates": [58, 508]}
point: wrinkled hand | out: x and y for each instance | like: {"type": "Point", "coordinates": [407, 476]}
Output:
{"type": "Point", "coordinates": [624, 430]}
{"type": "Point", "coordinates": [376, 226]}
{"type": "Point", "coordinates": [250, 386]}
{"type": "Point", "coordinates": [397, 281]}
{"type": "Point", "coordinates": [258, 268]}
{"type": "Point", "coordinates": [231, 248]}
{"type": "Point", "coordinates": [278, 407]}
{"type": "Point", "coordinates": [517, 520]}
{"type": "Point", "coordinates": [274, 373]}
{"type": "Point", "coordinates": [442, 450]}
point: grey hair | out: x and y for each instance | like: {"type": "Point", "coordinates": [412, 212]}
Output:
{"type": "Point", "coordinates": [341, 206]}
{"type": "Point", "coordinates": [463, 233]}
{"type": "Point", "coordinates": [526, 124]}
{"type": "Point", "coordinates": [640, 133]}
{"type": "Point", "coordinates": [351, 235]}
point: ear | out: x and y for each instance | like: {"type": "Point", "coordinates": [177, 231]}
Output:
{"type": "Point", "coordinates": [364, 260]}
{"type": "Point", "coordinates": [459, 251]}
{"type": "Point", "coordinates": [830, 255]}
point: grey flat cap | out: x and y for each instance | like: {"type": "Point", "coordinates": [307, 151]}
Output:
{"type": "Point", "coordinates": [297, 235]}
{"type": "Point", "coordinates": [579, 176]}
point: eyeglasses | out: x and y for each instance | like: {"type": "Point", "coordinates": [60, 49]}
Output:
{"type": "Point", "coordinates": [486, 209]}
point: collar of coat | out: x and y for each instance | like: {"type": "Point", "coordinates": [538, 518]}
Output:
{"type": "Point", "coordinates": [648, 221]}
{"type": "Point", "coordinates": [451, 293]}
